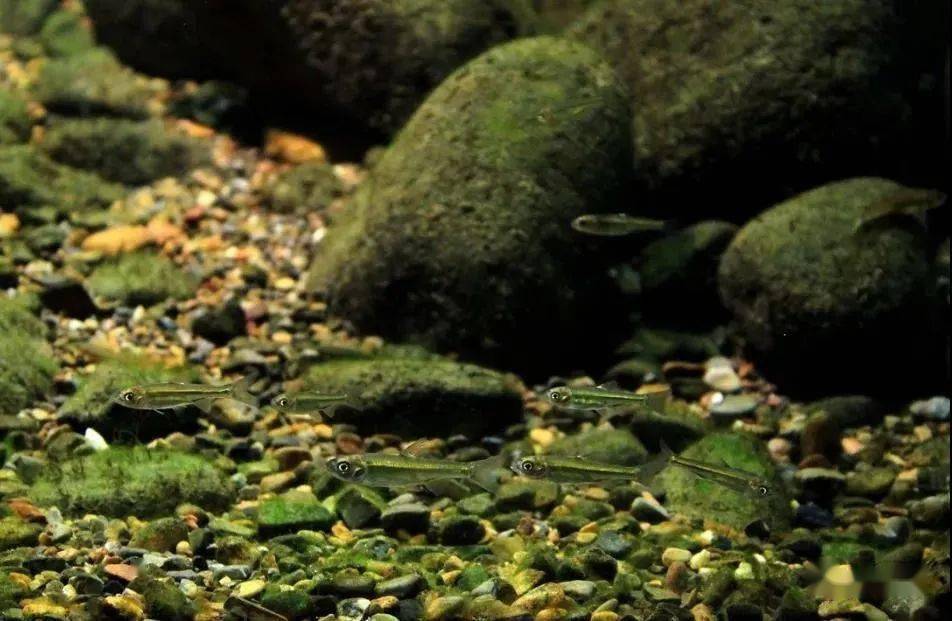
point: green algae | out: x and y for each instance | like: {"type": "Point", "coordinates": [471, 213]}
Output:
{"type": "Point", "coordinates": [291, 512]}
{"type": "Point", "coordinates": [27, 366]}
{"type": "Point", "coordinates": [122, 150]}
{"type": "Point", "coordinates": [410, 393]}
{"type": "Point", "coordinates": [24, 17]}
{"type": "Point", "coordinates": [15, 120]}
{"type": "Point", "coordinates": [140, 278]}
{"type": "Point", "coordinates": [64, 33]}
{"type": "Point", "coordinates": [122, 481]}
{"type": "Point", "coordinates": [16, 533]}
{"type": "Point", "coordinates": [31, 184]}
{"type": "Point", "coordinates": [306, 188]}
{"type": "Point", "coordinates": [609, 446]}
{"type": "Point", "coordinates": [698, 498]}
{"type": "Point", "coordinates": [465, 245]}
{"type": "Point", "coordinates": [92, 82]}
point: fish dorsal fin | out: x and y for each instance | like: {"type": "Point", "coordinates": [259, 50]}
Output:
{"type": "Point", "coordinates": [610, 385]}
{"type": "Point", "coordinates": [417, 448]}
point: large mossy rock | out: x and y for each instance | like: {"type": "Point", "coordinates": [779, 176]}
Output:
{"type": "Point", "coordinates": [24, 17]}
{"type": "Point", "coordinates": [27, 365]}
{"type": "Point", "coordinates": [739, 104]}
{"type": "Point", "coordinates": [821, 298]}
{"type": "Point", "coordinates": [120, 481]}
{"type": "Point", "coordinates": [92, 404]}
{"type": "Point", "coordinates": [460, 239]}
{"type": "Point", "coordinates": [140, 278]}
{"type": "Point", "coordinates": [130, 152]}
{"type": "Point", "coordinates": [373, 60]}
{"type": "Point", "coordinates": [609, 446]}
{"type": "Point", "coordinates": [37, 188]}
{"type": "Point", "coordinates": [14, 118]}
{"type": "Point", "coordinates": [698, 498]}
{"type": "Point", "coordinates": [419, 395]}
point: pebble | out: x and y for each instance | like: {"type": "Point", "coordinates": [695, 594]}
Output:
{"type": "Point", "coordinates": [744, 571]}
{"type": "Point", "coordinates": [671, 555]}
{"type": "Point", "coordinates": [250, 588]}
{"type": "Point", "coordinates": [722, 378]}
{"type": "Point", "coordinates": [645, 510]}
{"type": "Point", "coordinates": [579, 590]}
{"type": "Point", "coordinates": [732, 407]}
{"type": "Point", "coordinates": [700, 559]}
{"type": "Point", "coordinates": [936, 408]}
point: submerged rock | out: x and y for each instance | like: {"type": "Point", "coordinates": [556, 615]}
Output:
{"type": "Point", "coordinates": [822, 304]}
{"type": "Point", "coordinates": [721, 93]}
{"type": "Point", "coordinates": [65, 33]}
{"type": "Point", "coordinates": [27, 365]}
{"type": "Point", "coordinates": [465, 245]}
{"type": "Point", "coordinates": [24, 17]}
{"type": "Point", "coordinates": [92, 82]}
{"type": "Point", "coordinates": [92, 405]}
{"type": "Point", "coordinates": [304, 188]}
{"type": "Point", "coordinates": [37, 188]}
{"type": "Point", "coordinates": [417, 395]}
{"type": "Point", "coordinates": [140, 278]}
{"type": "Point", "coordinates": [14, 118]}
{"type": "Point", "coordinates": [609, 446]}
{"type": "Point", "coordinates": [129, 152]}
{"type": "Point", "coordinates": [121, 481]}
{"type": "Point", "coordinates": [694, 497]}
{"type": "Point", "coordinates": [291, 512]}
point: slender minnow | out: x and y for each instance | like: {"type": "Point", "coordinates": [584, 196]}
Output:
{"type": "Point", "coordinates": [171, 395]}
{"type": "Point", "coordinates": [385, 470]}
{"type": "Point", "coordinates": [614, 224]}
{"type": "Point", "coordinates": [306, 402]}
{"type": "Point", "coordinates": [733, 478]}
{"type": "Point", "coordinates": [594, 398]}
{"type": "Point", "coordinates": [580, 470]}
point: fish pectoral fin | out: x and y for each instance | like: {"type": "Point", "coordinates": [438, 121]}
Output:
{"type": "Point", "coordinates": [205, 405]}
{"type": "Point", "coordinates": [417, 448]}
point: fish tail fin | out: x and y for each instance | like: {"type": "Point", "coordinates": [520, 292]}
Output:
{"type": "Point", "coordinates": [484, 472]}
{"type": "Point", "coordinates": [656, 465]}
{"type": "Point", "coordinates": [239, 391]}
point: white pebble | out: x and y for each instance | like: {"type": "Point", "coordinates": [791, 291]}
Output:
{"type": "Point", "coordinates": [699, 560]}
{"type": "Point", "coordinates": [95, 440]}
{"type": "Point", "coordinates": [744, 571]}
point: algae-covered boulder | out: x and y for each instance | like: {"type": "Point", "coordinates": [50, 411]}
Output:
{"type": "Point", "coordinates": [738, 104]}
{"type": "Point", "coordinates": [15, 533]}
{"type": "Point", "coordinates": [381, 71]}
{"type": "Point", "coordinates": [460, 239]}
{"type": "Point", "coordinates": [373, 60]}
{"type": "Point", "coordinates": [304, 188]}
{"type": "Point", "coordinates": [27, 368]}
{"type": "Point", "coordinates": [418, 395]}
{"type": "Point", "coordinates": [92, 82]}
{"type": "Point", "coordinates": [610, 446]}
{"type": "Point", "coordinates": [31, 185]}
{"type": "Point", "coordinates": [14, 118]}
{"type": "Point", "coordinates": [291, 512]}
{"type": "Point", "coordinates": [11, 591]}
{"type": "Point", "coordinates": [24, 17]}
{"type": "Point", "coordinates": [92, 404]}
{"type": "Point", "coordinates": [140, 278]}
{"type": "Point", "coordinates": [121, 481]}
{"type": "Point", "coordinates": [822, 294]}
{"type": "Point", "coordinates": [698, 498]}
{"type": "Point", "coordinates": [679, 274]}
{"type": "Point", "coordinates": [163, 599]}
{"type": "Point", "coordinates": [130, 152]}
{"type": "Point", "coordinates": [65, 33]}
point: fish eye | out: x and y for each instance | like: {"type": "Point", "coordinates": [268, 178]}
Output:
{"type": "Point", "coordinates": [762, 490]}
{"type": "Point", "coordinates": [129, 396]}
{"type": "Point", "coordinates": [282, 402]}
{"type": "Point", "coordinates": [556, 395]}
{"type": "Point", "coordinates": [527, 466]}
{"type": "Point", "coordinates": [343, 467]}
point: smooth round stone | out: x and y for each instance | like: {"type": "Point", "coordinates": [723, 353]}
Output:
{"type": "Point", "coordinates": [646, 511]}
{"type": "Point", "coordinates": [412, 517]}
{"type": "Point", "coordinates": [670, 555]}
{"type": "Point", "coordinates": [353, 609]}
{"type": "Point", "coordinates": [936, 408]}
{"type": "Point", "coordinates": [579, 590]}
{"type": "Point", "coordinates": [250, 588]}
{"type": "Point", "coordinates": [722, 378]}
{"type": "Point", "coordinates": [401, 586]}
{"type": "Point", "coordinates": [732, 407]}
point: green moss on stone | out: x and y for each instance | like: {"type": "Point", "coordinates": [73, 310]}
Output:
{"type": "Point", "coordinates": [287, 601]}
{"type": "Point", "coordinates": [15, 533]}
{"type": "Point", "coordinates": [416, 394]}
{"type": "Point", "coordinates": [610, 446]}
{"type": "Point", "coordinates": [24, 17]}
{"type": "Point", "coordinates": [26, 370]}
{"type": "Point", "coordinates": [14, 118]}
{"type": "Point", "coordinates": [140, 278]}
{"type": "Point", "coordinates": [16, 317]}
{"type": "Point", "coordinates": [305, 188]}
{"type": "Point", "coordinates": [32, 184]}
{"type": "Point", "coordinates": [815, 297]}
{"type": "Point", "coordinates": [698, 498]}
{"type": "Point", "coordinates": [10, 592]}
{"type": "Point", "coordinates": [291, 512]}
{"type": "Point", "coordinates": [721, 92]}
{"type": "Point", "coordinates": [121, 150]}
{"type": "Point", "coordinates": [463, 245]}
{"type": "Point", "coordinates": [160, 535]}
{"type": "Point", "coordinates": [163, 599]}
{"type": "Point", "coordinates": [65, 33]}
{"type": "Point", "coordinates": [92, 82]}
{"type": "Point", "coordinates": [122, 481]}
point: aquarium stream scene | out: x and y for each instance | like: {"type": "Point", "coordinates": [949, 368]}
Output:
{"type": "Point", "coordinates": [475, 310]}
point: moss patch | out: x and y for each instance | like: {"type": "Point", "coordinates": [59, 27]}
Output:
{"type": "Point", "coordinates": [610, 446]}
{"type": "Point", "coordinates": [31, 184]}
{"type": "Point", "coordinates": [464, 245]}
{"type": "Point", "coordinates": [24, 17]}
{"type": "Point", "coordinates": [121, 150]}
{"type": "Point", "coordinates": [15, 533]}
{"type": "Point", "coordinates": [305, 188]}
{"type": "Point", "coordinates": [291, 512]}
{"type": "Point", "coordinates": [92, 82]}
{"type": "Point", "coordinates": [705, 500]}
{"type": "Point", "coordinates": [140, 278]}
{"type": "Point", "coordinates": [26, 371]}
{"type": "Point", "coordinates": [14, 118]}
{"type": "Point", "coordinates": [419, 394]}
{"type": "Point", "coordinates": [122, 481]}
{"type": "Point", "coordinates": [65, 33]}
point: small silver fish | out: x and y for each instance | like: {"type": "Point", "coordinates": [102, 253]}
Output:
{"type": "Point", "coordinates": [581, 470]}
{"type": "Point", "coordinates": [309, 402]}
{"type": "Point", "coordinates": [163, 396]}
{"type": "Point", "coordinates": [386, 470]}
{"type": "Point", "coordinates": [595, 398]}
{"type": "Point", "coordinates": [732, 478]}
{"type": "Point", "coordinates": [614, 224]}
